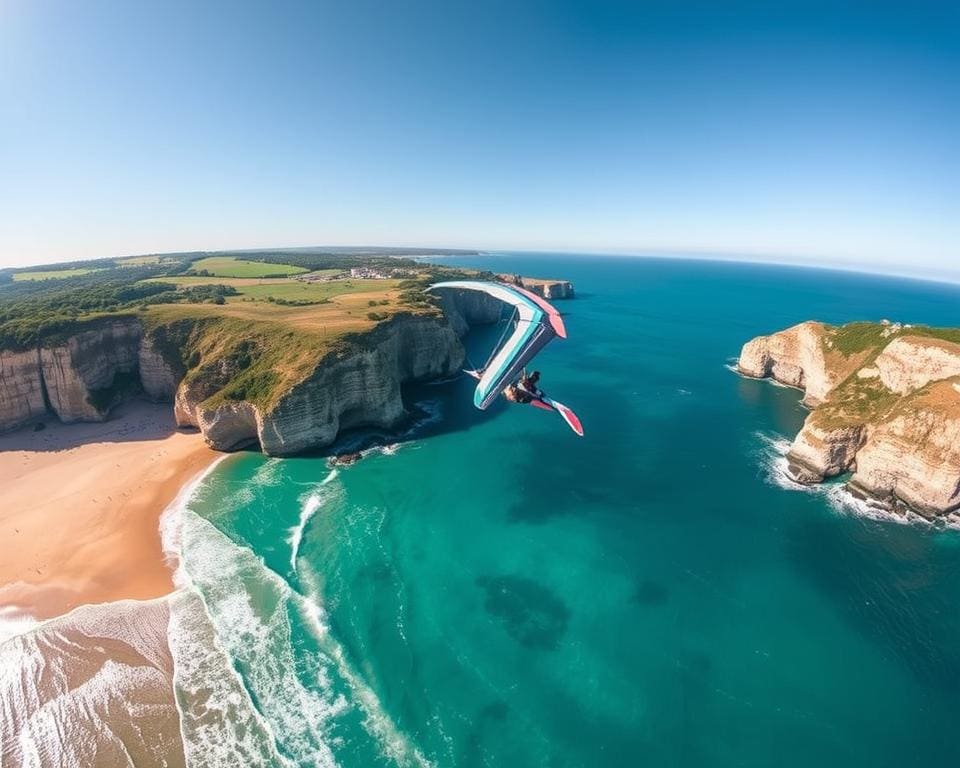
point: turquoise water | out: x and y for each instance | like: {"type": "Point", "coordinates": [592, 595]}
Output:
{"type": "Point", "coordinates": [495, 591]}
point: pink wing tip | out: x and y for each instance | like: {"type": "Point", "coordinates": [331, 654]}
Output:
{"type": "Point", "coordinates": [555, 320]}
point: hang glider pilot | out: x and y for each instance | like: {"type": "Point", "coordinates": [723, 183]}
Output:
{"type": "Point", "coordinates": [526, 389]}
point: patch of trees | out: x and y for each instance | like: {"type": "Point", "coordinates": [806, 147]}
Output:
{"type": "Point", "coordinates": [34, 313]}
{"type": "Point", "coordinates": [314, 260]}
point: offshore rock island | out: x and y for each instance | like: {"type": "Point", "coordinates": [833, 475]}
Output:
{"type": "Point", "coordinates": [885, 402]}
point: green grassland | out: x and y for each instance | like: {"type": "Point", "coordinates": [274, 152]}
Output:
{"type": "Point", "coordinates": [253, 349]}
{"type": "Point", "coordinates": [853, 338]}
{"type": "Point", "coordinates": [231, 266]}
{"type": "Point", "coordinates": [858, 400]}
{"type": "Point", "coordinates": [280, 289]}
{"type": "Point", "coordinates": [314, 293]}
{"type": "Point", "coordinates": [52, 274]}
{"type": "Point", "coordinates": [140, 261]}
{"type": "Point", "coordinates": [236, 336]}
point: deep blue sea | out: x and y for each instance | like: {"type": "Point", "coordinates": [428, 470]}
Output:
{"type": "Point", "coordinates": [494, 591]}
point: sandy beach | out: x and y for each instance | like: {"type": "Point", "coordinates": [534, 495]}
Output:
{"type": "Point", "coordinates": [81, 503]}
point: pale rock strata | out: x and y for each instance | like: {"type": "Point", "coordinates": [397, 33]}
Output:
{"type": "Point", "coordinates": [794, 357]}
{"type": "Point", "coordinates": [157, 377]}
{"type": "Point", "coordinates": [550, 289]}
{"type": "Point", "coordinates": [905, 454]}
{"type": "Point", "coordinates": [88, 362]}
{"type": "Point", "coordinates": [363, 388]}
{"type": "Point", "coordinates": [464, 309]}
{"type": "Point", "coordinates": [230, 426]}
{"type": "Point", "coordinates": [914, 456]}
{"type": "Point", "coordinates": [359, 388]}
{"type": "Point", "coordinates": [819, 452]}
{"type": "Point", "coordinates": [21, 389]}
{"type": "Point", "coordinates": [910, 362]}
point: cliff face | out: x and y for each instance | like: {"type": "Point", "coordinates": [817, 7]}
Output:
{"type": "Point", "coordinates": [908, 363]}
{"type": "Point", "coordinates": [78, 380]}
{"type": "Point", "coordinates": [887, 409]}
{"type": "Point", "coordinates": [795, 357]}
{"type": "Point", "coordinates": [548, 289]}
{"type": "Point", "coordinates": [820, 451]}
{"type": "Point", "coordinates": [464, 309]}
{"type": "Point", "coordinates": [354, 385]}
{"type": "Point", "coordinates": [360, 387]}
{"type": "Point", "coordinates": [157, 377]}
{"type": "Point", "coordinates": [21, 388]}
{"type": "Point", "coordinates": [913, 457]}
{"type": "Point", "coordinates": [88, 364]}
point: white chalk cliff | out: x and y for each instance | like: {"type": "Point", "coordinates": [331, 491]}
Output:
{"type": "Point", "coordinates": [886, 410]}
{"type": "Point", "coordinates": [81, 378]}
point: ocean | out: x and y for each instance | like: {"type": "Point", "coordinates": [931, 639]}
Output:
{"type": "Point", "coordinates": [488, 589]}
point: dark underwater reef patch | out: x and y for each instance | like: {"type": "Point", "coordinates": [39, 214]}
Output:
{"type": "Point", "coordinates": [531, 613]}
{"type": "Point", "coordinates": [650, 592]}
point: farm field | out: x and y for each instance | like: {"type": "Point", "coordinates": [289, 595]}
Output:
{"type": "Point", "coordinates": [230, 266]}
{"type": "Point", "coordinates": [52, 274]}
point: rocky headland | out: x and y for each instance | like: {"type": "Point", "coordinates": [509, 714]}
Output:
{"type": "Point", "coordinates": [548, 289]}
{"type": "Point", "coordinates": [885, 402]}
{"type": "Point", "coordinates": [242, 384]}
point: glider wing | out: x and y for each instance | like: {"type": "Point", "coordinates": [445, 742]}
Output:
{"type": "Point", "coordinates": [537, 324]}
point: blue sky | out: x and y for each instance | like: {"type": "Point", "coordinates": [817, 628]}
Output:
{"type": "Point", "coordinates": [827, 132]}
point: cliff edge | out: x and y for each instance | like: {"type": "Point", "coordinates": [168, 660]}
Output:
{"type": "Point", "coordinates": [886, 408]}
{"type": "Point", "coordinates": [242, 383]}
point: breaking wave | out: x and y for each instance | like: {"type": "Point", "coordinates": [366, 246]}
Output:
{"type": "Point", "coordinates": [91, 687]}
{"type": "Point", "coordinates": [311, 504]}
{"type": "Point", "coordinates": [773, 460]}
{"type": "Point", "coordinates": [255, 659]}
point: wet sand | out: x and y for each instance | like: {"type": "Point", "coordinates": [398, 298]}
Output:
{"type": "Point", "coordinates": [80, 511]}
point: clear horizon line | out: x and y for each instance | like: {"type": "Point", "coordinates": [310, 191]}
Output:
{"type": "Point", "coordinates": [693, 254]}
{"type": "Point", "coordinates": [733, 257]}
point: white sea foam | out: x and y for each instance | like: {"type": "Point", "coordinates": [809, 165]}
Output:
{"type": "Point", "coordinates": [15, 622]}
{"type": "Point", "coordinates": [377, 722]}
{"type": "Point", "coordinates": [430, 412]}
{"type": "Point", "coordinates": [215, 701]}
{"type": "Point", "coordinates": [170, 522]}
{"type": "Point", "coordinates": [308, 509]}
{"type": "Point", "coordinates": [773, 458]}
{"type": "Point", "coordinates": [247, 609]}
{"type": "Point", "coordinates": [90, 686]}
{"type": "Point", "coordinates": [732, 367]}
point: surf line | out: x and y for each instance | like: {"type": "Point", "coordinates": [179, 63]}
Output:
{"type": "Point", "coordinates": [311, 505]}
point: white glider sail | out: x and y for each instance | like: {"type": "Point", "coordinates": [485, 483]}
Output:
{"type": "Point", "coordinates": [537, 324]}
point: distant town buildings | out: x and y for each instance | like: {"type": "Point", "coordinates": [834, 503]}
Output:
{"type": "Point", "coordinates": [373, 273]}
{"type": "Point", "coordinates": [358, 273]}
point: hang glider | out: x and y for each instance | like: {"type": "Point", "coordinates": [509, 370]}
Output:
{"type": "Point", "coordinates": [536, 324]}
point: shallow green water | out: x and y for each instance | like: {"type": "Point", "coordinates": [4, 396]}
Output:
{"type": "Point", "coordinates": [496, 591]}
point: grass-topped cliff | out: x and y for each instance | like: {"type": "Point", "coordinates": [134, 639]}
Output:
{"type": "Point", "coordinates": [233, 338]}
{"type": "Point", "coordinates": [886, 406]}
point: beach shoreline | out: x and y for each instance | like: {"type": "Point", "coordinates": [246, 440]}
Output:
{"type": "Point", "coordinates": [82, 506]}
